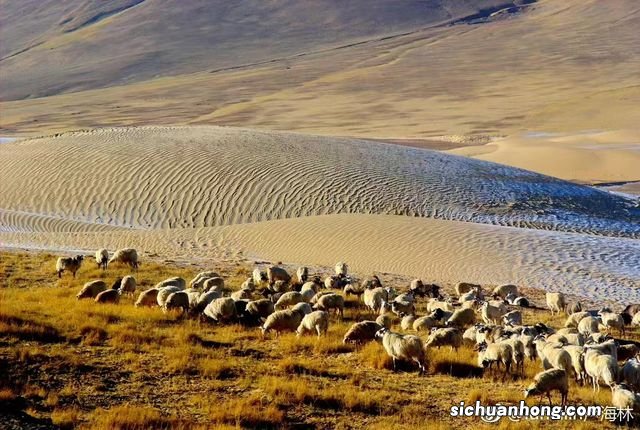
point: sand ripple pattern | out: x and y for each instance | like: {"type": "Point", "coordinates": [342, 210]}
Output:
{"type": "Point", "coordinates": [190, 177]}
{"type": "Point", "coordinates": [604, 269]}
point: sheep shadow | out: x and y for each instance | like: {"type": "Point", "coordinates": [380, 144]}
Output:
{"type": "Point", "coordinates": [457, 369]}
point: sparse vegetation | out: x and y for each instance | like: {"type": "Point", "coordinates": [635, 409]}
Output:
{"type": "Point", "coordinates": [141, 368]}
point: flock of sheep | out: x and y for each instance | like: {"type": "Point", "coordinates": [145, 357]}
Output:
{"type": "Point", "coordinates": [277, 302]}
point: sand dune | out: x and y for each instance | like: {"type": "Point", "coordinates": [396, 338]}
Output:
{"type": "Point", "coordinates": [16, 221]}
{"type": "Point", "coordinates": [607, 269]}
{"type": "Point", "coordinates": [171, 177]}
{"type": "Point", "coordinates": [597, 156]}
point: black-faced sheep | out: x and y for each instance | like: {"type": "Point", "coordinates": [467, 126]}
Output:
{"type": "Point", "coordinates": [71, 264]}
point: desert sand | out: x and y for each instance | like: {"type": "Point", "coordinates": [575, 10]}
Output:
{"type": "Point", "coordinates": [219, 192]}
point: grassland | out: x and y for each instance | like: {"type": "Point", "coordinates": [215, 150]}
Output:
{"type": "Point", "coordinates": [80, 364]}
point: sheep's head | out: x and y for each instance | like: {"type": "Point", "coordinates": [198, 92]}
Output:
{"type": "Point", "coordinates": [380, 333]}
{"type": "Point", "coordinates": [531, 391]}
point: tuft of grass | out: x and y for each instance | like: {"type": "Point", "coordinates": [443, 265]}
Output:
{"type": "Point", "coordinates": [133, 417]}
{"type": "Point", "coordinates": [92, 335]}
{"type": "Point", "coordinates": [67, 418]}
{"type": "Point", "coordinates": [249, 412]}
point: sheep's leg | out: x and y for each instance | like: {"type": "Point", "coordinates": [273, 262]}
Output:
{"type": "Point", "coordinates": [394, 363]}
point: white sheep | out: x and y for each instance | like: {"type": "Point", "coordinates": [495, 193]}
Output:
{"type": "Point", "coordinates": [288, 299]}
{"type": "Point", "coordinates": [439, 337]}
{"type": "Point", "coordinates": [512, 318]}
{"type": "Point", "coordinates": [600, 368]}
{"type": "Point", "coordinates": [498, 353]}
{"type": "Point", "coordinates": [574, 319]}
{"type": "Point", "coordinates": [275, 273]}
{"type": "Point", "coordinates": [308, 290]}
{"type": "Point", "coordinates": [259, 276]}
{"type": "Point", "coordinates": [102, 258]}
{"type": "Point", "coordinates": [108, 296]}
{"type": "Point", "coordinates": [203, 301]}
{"type": "Point", "coordinates": [242, 294]}
{"type": "Point", "coordinates": [401, 305]}
{"type": "Point", "coordinates": [373, 298]}
{"type": "Point", "coordinates": [128, 285]}
{"type": "Point", "coordinates": [434, 304]}
{"type": "Point", "coordinates": [91, 289]}
{"type": "Point", "coordinates": [518, 352]}
{"type": "Point", "coordinates": [330, 302]}
{"type": "Point", "coordinates": [589, 325]}
{"type": "Point", "coordinates": [635, 321]}
{"type": "Point", "coordinates": [286, 320]}
{"type": "Point", "coordinates": [163, 294]}
{"type": "Point", "coordinates": [71, 264]}
{"type": "Point", "coordinates": [221, 310]}
{"type": "Point", "coordinates": [623, 398]}
{"type": "Point", "coordinates": [302, 274]}
{"type": "Point", "coordinates": [556, 302]}
{"type": "Point", "coordinates": [529, 346]}
{"type": "Point", "coordinates": [553, 356]}
{"type": "Point", "coordinates": [407, 322]}
{"type": "Point", "coordinates": [462, 318]}
{"type": "Point", "coordinates": [576, 352]}
{"type": "Point", "coordinates": [361, 332]}
{"type": "Point", "coordinates": [317, 296]}
{"type": "Point", "coordinates": [148, 298]}
{"type": "Point", "coordinates": [403, 347]}
{"type": "Point", "coordinates": [126, 256]}
{"type": "Point", "coordinates": [465, 287]}
{"type": "Point", "coordinates": [503, 291]}
{"type": "Point", "coordinates": [341, 269]}
{"type": "Point", "coordinates": [425, 323]}
{"type": "Point", "coordinates": [612, 320]}
{"type": "Point", "coordinates": [177, 300]}
{"type": "Point", "coordinates": [216, 283]}
{"type": "Point", "coordinates": [332, 282]}
{"type": "Point", "coordinates": [171, 282]}
{"type": "Point", "coordinates": [199, 279]}
{"type": "Point", "coordinates": [547, 381]}
{"type": "Point", "coordinates": [317, 321]}
{"type": "Point", "coordinates": [384, 320]}
{"type": "Point", "coordinates": [491, 314]}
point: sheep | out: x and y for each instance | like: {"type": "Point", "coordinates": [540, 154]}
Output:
{"type": "Point", "coordinates": [603, 345]}
{"type": "Point", "coordinates": [468, 296]}
{"type": "Point", "coordinates": [200, 278]}
{"type": "Point", "coordinates": [102, 258]}
{"type": "Point", "coordinates": [148, 298]}
{"type": "Point", "coordinates": [126, 256]}
{"type": "Point", "coordinates": [216, 283]}
{"type": "Point", "coordinates": [317, 321]}
{"type": "Point", "coordinates": [417, 288]}
{"type": "Point", "coordinates": [556, 302]}
{"type": "Point", "coordinates": [317, 296]}
{"type": "Point", "coordinates": [108, 296]}
{"type": "Point", "coordinates": [573, 307]}
{"type": "Point", "coordinates": [163, 294]}
{"type": "Point", "coordinates": [600, 368]}
{"type": "Point", "coordinates": [407, 322]}
{"type": "Point", "coordinates": [288, 299]}
{"type": "Point", "coordinates": [576, 353]}
{"type": "Point", "coordinates": [177, 300]}
{"type": "Point", "coordinates": [373, 298]}
{"type": "Point", "coordinates": [361, 332]}
{"type": "Point", "coordinates": [503, 291]}
{"type": "Point", "coordinates": [203, 301]}
{"type": "Point", "coordinates": [520, 301]}
{"type": "Point", "coordinates": [547, 381]}
{"type": "Point", "coordinates": [444, 337]}
{"type": "Point", "coordinates": [341, 269]}
{"type": "Point", "coordinates": [518, 352]}
{"type": "Point", "coordinates": [462, 318]}
{"type": "Point", "coordinates": [434, 304]}
{"type": "Point", "coordinates": [574, 319]}
{"type": "Point", "coordinates": [552, 355]}
{"type": "Point", "coordinates": [332, 281]}
{"type": "Point", "coordinates": [612, 320]}
{"type": "Point", "coordinates": [286, 320]}
{"type": "Point", "coordinates": [491, 314]}
{"type": "Point", "coordinates": [353, 289]}
{"type": "Point", "coordinates": [465, 287]}
{"type": "Point", "coordinates": [512, 318]}
{"type": "Point", "coordinates": [275, 273]}
{"type": "Point", "coordinates": [221, 310]}
{"type": "Point", "coordinates": [589, 325]}
{"type": "Point", "coordinates": [632, 309]}
{"type": "Point", "coordinates": [401, 306]}
{"type": "Point", "coordinates": [176, 281]}
{"type": "Point", "coordinates": [302, 274]}
{"type": "Point", "coordinates": [194, 296]}
{"type": "Point", "coordinates": [495, 353]}
{"type": "Point", "coordinates": [403, 347]}
{"type": "Point", "coordinates": [308, 290]}
{"type": "Point", "coordinates": [242, 294]}
{"type": "Point", "coordinates": [260, 309]}
{"type": "Point", "coordinates": [630, 373]}
{"type": "Point", "coordinates": [384, 320]}
{"type": "Point", "coordinates": [259, 276]}
{"type": "Point", "coordinates": [623, 398]}
{"type": "Point", "coordinates": [91, 289]}
{"type": "Point", "coordinates": [426, 323]}
{"type": "Point", "coordinates": [328, 302]}
{"type": "Point", "coordinates": [371, 283]}
{"type": "Point", "coordinates": [529, 346]}
{"type": "Point", "coordinates": [128, 285]}
{"type": "Point", "coordinates": [72, 264]}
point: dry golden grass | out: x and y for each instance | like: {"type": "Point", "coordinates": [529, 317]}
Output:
{"type": "Point", "coordinates": [87, 365]}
